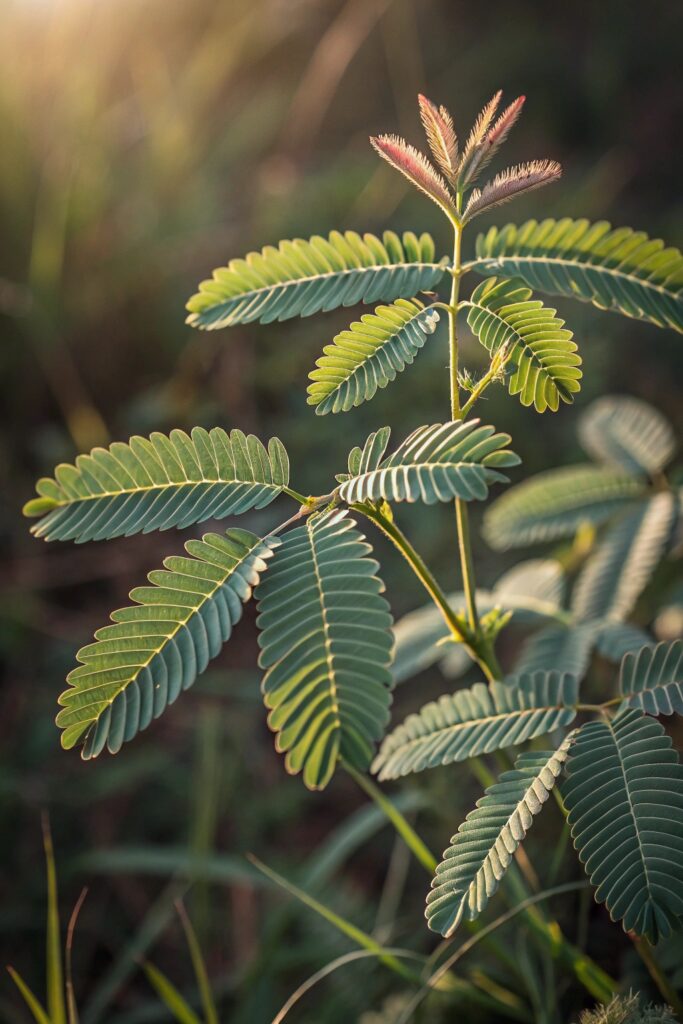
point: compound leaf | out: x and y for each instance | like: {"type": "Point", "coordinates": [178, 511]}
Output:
{"type": "Point", "coordinates": [158, 647]}
{"type": "Point", "coordinates": [369, 355]}
{"type": "Point", "coordinates": [624, 795]}
{"type": "Point", "coordinates": [326, 646]}
{"type": "Point", "coordinates": [436, 463]}
{"type": "Point", "coordinates": [615, 269]}
{"type": "Point", "coordinates": [628, 433]}
{"type": "Point", "coordinates": [158, 483]}
{"type": "Point", "coordinates": [484, 846]}
{"type": "Point", "coordinates": [478, 721]}
{"type": "Point", "coordinates": [562, 648]}
{"type": "Point", "coordinates": [615, 639]}
{"type": "Point", "coordinates": [503, 314]}
{"type": "Point", "coordinates": [621, 566]}
{"type": "Point", "coordinates": [651, 679]}
{"type": "Point", "coordinates": [301, 277]}
{"type": "Point", "coordinates": [556, 503]}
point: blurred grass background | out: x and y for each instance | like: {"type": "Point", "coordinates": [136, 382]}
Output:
{"type": "Point", "coordinates": [143, 143]}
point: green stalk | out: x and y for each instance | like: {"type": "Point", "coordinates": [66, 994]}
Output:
{"type": "Point", "coordinates": [461, 513]}
{"type": "Point", "coordinates": [462, 520]}
{"type": "Point", "coordinates": [301, 498]}
{"type": "Point", "coordinates": [456, 625]}
{"type": "Point", "coordinates": [452, 323]}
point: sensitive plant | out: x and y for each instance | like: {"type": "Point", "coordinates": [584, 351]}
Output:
{"type": "Point", "coordinates": [329, 651]}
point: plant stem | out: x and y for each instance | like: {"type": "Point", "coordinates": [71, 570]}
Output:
{"type": "Point", "coordinates": [661, 981]}
{"type": "Point", "coordinates": [422, 853]}
{"type": "Point", "coordinates": [452, 322]}
{"type": "Point", "coordinates": [456, 625]}
{"type": "Point", "coordinates": [477, 647]}
{"type": "Point", "coordinates": [461, 513]}
{"type": "Point", "coordinates": [462, 520]}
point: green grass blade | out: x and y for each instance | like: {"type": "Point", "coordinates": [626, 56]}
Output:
{"type": "Point", "coordinates": [170, 996]}
{"type": "Point", "coordinates": [208, 1005]}
{"type": "Point", "coordinates": [352, 932]}
{"type": "Point", "coordinates": [53, 954]}
{"type": "Point", "coordinates": [39, 1014]}
{"type": "Point", "coordinates": [72, 1009]}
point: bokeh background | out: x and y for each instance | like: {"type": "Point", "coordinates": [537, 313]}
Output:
{"type": "Point", "coordinates": [143, 143]}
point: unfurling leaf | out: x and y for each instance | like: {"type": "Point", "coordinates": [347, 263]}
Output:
{"type": "Point", "coordinates": [510, 183]}
{"type": "Point", "coordinates": [473, 148]}
{"type": "Point", "coordinates": [440, 132]}
{"type": "Point", "coordinates": [484, 151]}
{"type": "Point", "coordinates": [416, 168]}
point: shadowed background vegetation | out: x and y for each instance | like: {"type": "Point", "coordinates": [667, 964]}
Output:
{"type": "Point", "coordinates": [142, 144]}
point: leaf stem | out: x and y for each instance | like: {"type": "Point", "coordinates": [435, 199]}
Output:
{"type": "Point", "coordinates": [412, 840]}
{"type": "Point", "coordinates": [456, 625]}
{"type": "Point", "coordinates": [478, 648]}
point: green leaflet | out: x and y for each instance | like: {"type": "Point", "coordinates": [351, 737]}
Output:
{"type": "Point", "coordinates": [569, 648]}
{"type": "Point", "coordinates": [627, 433]}
{"type": "Point", "coordinates": [369, 355]}
{"type": "Point", "coordinates": [436, 463]}
{"type": "Point", "coordinates": [562, 648]}
{"type": "Point", "coordinates": [615, 269]}
{"type": "Point", "coordinates": [503, 314]}
{"type": "Point", "coordinates": [325, 638]}
{"type": "Point", "coordinates": [478, 721]}
{"type": "Point", "coordinates": [624, 795]}
{"type": "Point", "coordinates": [156, 648]}
{"type": "Point", "coordinates": [484, 846]}
{"type": "Point", "coordinates": [621, 566]}
{"type": "Point", "coordinates": [556, 503]}
{"type": "Point", "coordinates": [369, 457]}
{"type": "Point", "coordinates": [652, 679]}
{"type": "Point", "coordinates": [615, 639]}
{"type": "Point", "coordinates": [158, 483]}
{"type": "Point", "coordinates": [299, 278]}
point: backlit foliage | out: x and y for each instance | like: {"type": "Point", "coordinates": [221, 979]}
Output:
{"type": "Point", "coordinates": [326, 632]}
